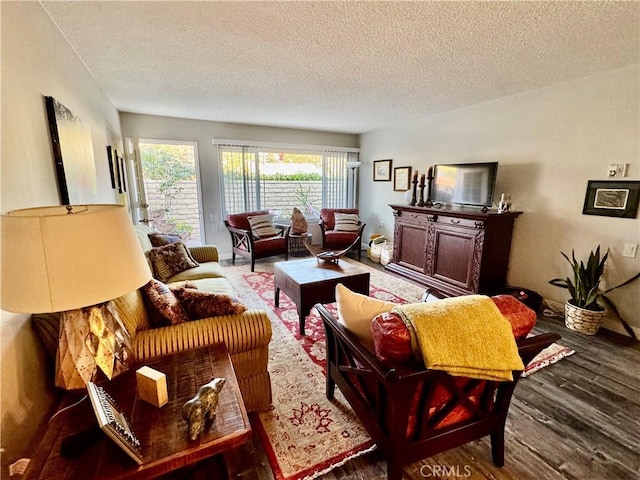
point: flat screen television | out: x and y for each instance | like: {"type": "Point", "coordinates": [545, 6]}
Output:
{"type": "Point", "coordinates": [464, 184]}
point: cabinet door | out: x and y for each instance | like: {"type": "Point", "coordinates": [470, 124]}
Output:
{"type": "Point", "coordinates": [410, 242]}
{"type": "Point", "coordinates": [455, 255]}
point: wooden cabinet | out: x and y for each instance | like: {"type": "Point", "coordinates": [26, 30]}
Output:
{"type": "Point", "coordinates": [457, 251]}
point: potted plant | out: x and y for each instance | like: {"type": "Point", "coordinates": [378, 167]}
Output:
{"type": "Point", "coordinates": [583, 313]}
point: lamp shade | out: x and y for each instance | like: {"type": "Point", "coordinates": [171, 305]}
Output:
{"type": "Point", "coordinates": [67, 257]}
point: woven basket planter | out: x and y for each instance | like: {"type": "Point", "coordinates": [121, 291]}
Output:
{"type": "Point", "coordinates": [581, 320]}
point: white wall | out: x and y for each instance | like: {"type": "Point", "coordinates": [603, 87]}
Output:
{"type": "Point", "coordinates": [37, 61]}
{"type": "Point", "coordinates": [203, 132]}
{"type": "Point", "coordinates": [549, 143]}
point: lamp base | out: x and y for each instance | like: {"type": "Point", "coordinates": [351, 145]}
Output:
{"type": "Point", "coordinates": [91, 337]}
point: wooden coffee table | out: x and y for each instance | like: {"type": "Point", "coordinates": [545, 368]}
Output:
{"type": "Point", "coordinates": [161, 431]}
{"type": "Point", "coordinates": [310, 281]}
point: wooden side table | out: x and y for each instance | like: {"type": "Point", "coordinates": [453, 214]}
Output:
{"type": "Point", "coordinates": [161, 431]}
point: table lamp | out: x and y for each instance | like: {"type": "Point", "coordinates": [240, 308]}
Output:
{"type": "Point", "coordinates": [74, 260]}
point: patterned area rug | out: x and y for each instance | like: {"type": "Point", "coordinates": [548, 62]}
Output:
{"type": "Point", "coordinates": [304, 434]}
{"type": "Point", "coordinates": [550, 355]}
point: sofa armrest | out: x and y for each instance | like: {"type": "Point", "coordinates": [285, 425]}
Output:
{"type": "Point", "coordinates": [205, 253]}
{"type": "Point", "coordinates": [244, 332]}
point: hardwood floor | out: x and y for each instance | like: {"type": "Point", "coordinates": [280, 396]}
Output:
{"type": "Point", "coordinates": [577, 419]}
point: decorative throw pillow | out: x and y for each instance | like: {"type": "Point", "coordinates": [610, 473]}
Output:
{"type": "Point", "coordinates": [262, 226]}
{"type": "Point", "coordinates": [201, 304]}
{"type": "Point", "coordinates": [356, 311]}
{"type": "Point", "coordinates": [171, 259]}
{"type": "Point", "coordinates": [164, 307]}
{"type": "Point", "coordinates": [347, 222]}
{"type": "Point", "coordinates": [159, 239]}
{"type": "Point", "coordinates": [298, 222]}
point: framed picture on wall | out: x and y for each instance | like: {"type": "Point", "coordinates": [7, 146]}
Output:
{"type": "Point", "coordinates": [382, 170]}
{"type": "Point", "coordinates": [612, 198]}
{"type": "Point", "coordinates": [401, 177]}
{"type": "Point", "coordinates": [72, 155]}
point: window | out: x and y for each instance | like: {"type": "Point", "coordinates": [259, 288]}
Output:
{"type": "Point", "coordinates": [279, 178]}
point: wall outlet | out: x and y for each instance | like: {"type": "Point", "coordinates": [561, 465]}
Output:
{"type": "Point", "coordinates": [618, 170]}
{"type": "Point", "coordinates": [630, 250]}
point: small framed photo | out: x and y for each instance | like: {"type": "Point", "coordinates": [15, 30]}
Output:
{"type": "Point", "coordinates": [612, 198]}
{"type": "Point", "coordinates": [401, 177]}
{"type": "Point", "coordinates": [382, 170]}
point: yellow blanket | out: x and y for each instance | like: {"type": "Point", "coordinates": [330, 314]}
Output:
{"type": "Point", "coordinates": [463, 336]}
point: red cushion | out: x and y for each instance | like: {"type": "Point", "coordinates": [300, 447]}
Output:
{"type": "Point", "coordinates": [272, 244]}
{"type": "Point", "coordinates": [240, 220]}
{"type": "Point", "coordinates": [521, 317]}
{"type": "Point", "coordinates": [339, 239]}
{"type": "Point", "coordinates": [391, 339]}
{"type": "Point", "coordinates": [392, 342]}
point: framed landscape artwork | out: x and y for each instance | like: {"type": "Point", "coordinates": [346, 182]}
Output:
{"type": "Point", "coordinates": [612, 198]}
{"type": "Point", "coordinates": [72, 154]}
{"type": "Point", "coordinates": [382, 170]}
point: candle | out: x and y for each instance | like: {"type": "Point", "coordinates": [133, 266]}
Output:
{"type": "Point", "coordinates": [422, 180]}
{"type": "Point", "coordinates": [415, 176]}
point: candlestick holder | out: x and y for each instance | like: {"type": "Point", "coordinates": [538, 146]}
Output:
{"type": "Point", "coordinates": [429, 202]}
{"type": "Point", "coordinates": [421, 201]}
{"type": "Point", "coordinates": [413, 193]}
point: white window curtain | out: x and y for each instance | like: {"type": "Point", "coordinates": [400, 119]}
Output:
{"type": "Point", "coordinates": [243, 188]}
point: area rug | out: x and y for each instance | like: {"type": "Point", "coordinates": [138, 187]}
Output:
{"type": "Point", "coordinates": [550, 355]}
{"type": "Point", "coordinates": [304, 434]}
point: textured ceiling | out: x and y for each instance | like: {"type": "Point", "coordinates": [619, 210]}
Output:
{"type": "Point", "coordinates": [338, 66]}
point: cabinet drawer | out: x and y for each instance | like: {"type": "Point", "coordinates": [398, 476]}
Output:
{"type": "Point", "coordinates": [460, 222]}
{"type": "Point", "coordinates": [411, 218]}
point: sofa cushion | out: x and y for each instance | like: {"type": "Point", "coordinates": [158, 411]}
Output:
{"type": "Point", "coordinates": [159, 239]}
{"type": "Point", "coordinates": [215, 285]}
{"type": "Point", "coordinates": [171, 259]}
{"type": "Point", "coordinates": [164, 306]}
{"type": "Point", "coordinates": [203, 270]}
{"type": "Point", "coordinates": [200, 304]}
{"type": "Point", "coordinates": [347, 222]}
{"type": "Point", "coordinates": [262, 226]}
{"type": "Point", "coordinates": [142, 232]}
{"type": "Point", "coordinates": [356, 311]}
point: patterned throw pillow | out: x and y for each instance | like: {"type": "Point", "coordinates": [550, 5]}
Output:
{"type": "Point", "coordinates": [201, 304]}
{"type": "Point", "coordinates": [262, 226]}
{"type": "Point", "coordinates": [164, 308]}
{"type": "Point", "coordinates": [171, 259]}
{"type": "Point", "coordinates": [159, 239]}
{"type": "Point", "coordinates": [347, 222]}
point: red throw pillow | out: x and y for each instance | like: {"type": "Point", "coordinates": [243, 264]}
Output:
{"type": "Point", "coordinates": [201, 304]}
{"type": "Point", "coordinates": [521, 317]}
{"type": "Point", "coordinates": [391, 340]}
